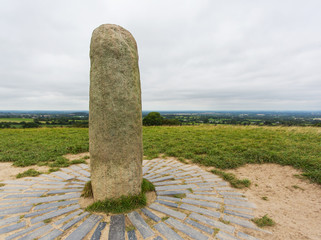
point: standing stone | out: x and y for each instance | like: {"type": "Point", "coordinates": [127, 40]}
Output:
{"type": "Point", "coordinates": [115, 114]}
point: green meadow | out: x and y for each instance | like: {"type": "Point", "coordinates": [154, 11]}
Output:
{"type": "Point", "coordinates": [16, 120]}
{"type": "Point", "coordinates": [221, 146]}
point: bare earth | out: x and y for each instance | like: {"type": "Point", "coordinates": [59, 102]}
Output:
{"type": "Point", "coordinates": [294, 204]}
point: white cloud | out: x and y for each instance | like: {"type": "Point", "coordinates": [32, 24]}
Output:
{"type": "Point", "coordinates": [194, 55]}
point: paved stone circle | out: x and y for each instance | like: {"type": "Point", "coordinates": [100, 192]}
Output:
{"type": "Point", "coordinates": [191, 204]}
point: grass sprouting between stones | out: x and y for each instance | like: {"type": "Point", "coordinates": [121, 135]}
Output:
{"type": "Point", "coordinates": [263, 221]}
{"type": "Point", "coordinates": [124, 203]}
{"type": "Point", "coordinates": [29, 173]}
{"type": "Point", "coordinates": [232, 179]}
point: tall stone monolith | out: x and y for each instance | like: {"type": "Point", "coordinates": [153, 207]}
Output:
{"type": "Point", "coordinates": [115, 114]}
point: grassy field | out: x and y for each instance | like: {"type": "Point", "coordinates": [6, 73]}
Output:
{"type": "Point", "coordinates": [219, 146]}
{"type": "Point", "coordinates": [16, 120]}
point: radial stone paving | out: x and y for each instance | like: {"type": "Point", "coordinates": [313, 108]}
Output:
{"type": "Point", "coordinates": [191, 204]}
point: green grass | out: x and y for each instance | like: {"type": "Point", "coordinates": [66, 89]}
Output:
{"type": "Point", "coordinates": [16, 120]}
{"type": "Point", "coordinates": [263, 221]}
{"type": "Point", "coordinates": [227, 146]}
{"type": "Point", "coordinates": [45, 146]}
{"type": "Point", "coordinates": [123, 204]}
{"type": "Point", "coordinates": [29, 173]}
{"type": "Point", "coordinates": [221, 146]}
{"type": "Point", "coordinates": [232, 179]}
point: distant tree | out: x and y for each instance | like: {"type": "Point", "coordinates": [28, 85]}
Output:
{"type": "Point", "coordinates": [153, 119]}
{"type": "Point", "coordinates": [171, 122]}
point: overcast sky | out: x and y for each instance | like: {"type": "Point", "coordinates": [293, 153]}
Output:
{"type": "Point", "coordinates": [194, 55]}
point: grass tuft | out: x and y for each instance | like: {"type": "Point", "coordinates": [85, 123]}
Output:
{"type": "Point", "coordinates": [78, 161]}
{"type": "Point", "coordinates": [87, 192]}
{"type": "Point", "coordinates": [29, 173]}
{"type": "Point", "coordinates": [123, 204]}
{"type": "Point", "coordinates": [232, 179]}
{"type": "Point", "coordinates": [263, 221]}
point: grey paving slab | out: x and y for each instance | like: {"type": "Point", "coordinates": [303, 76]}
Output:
{"type": "Point", "coordinates": [54, 198]}
{"type": "Point", "coordinates": [51, 183]}
{"type": "Point", "coordinates": [9, 220]}
{"type": "Point", "coordinates": [84, 172]}
{"type": "Point", "coordinates": [230, 193]}
{"type": "Point", "coordinates": [246, 236]}
{"type": "Point", "coordinates": [203, 189]}
{"type": "Point", "coordinates": [202, 197]}
{"type": "Point", "coordinates": [54, 214]}
{"type": "Point", "coordinates": [13, 227]}
{"type": "Point", "coordinates": [75, 167]}
{"type": "Point", "coordinates": [51, 177]}
{"type": "Point", "coordinates": [174, 187]}
{"type": "Point", "coordinates": [31, 195]}
{"type": "Point", "coordinates": [174, 199]}
{"type": "Point", "coordinates": [33, 214]}
{"type": "Point", "coordinates": [49, 186]}
{"type": "Point", "coordinates": [11, 205]}
{"type": "Point", "coordinates": [85, 179]}
{"type": "Point", "coordinates": [243, 215]}
{"type": "Point", "coordinates": [37, 233]}
{"type": "Point", "coordinates": [225, 236]}
{"type": "Point", "coordinates": [52, 235]}
{"type": "Point", "coordinates": [225, 189]}
{"type": "Point", "coordinates": [168, 183]}
{"type": "Point", "coordinates": [14, 210]}
{"type": "Point", "coordinates": [206, 193]}
{"type": "Point", "coordinates": [84, 228]}
{"type": "Point", "coordinates": [29, 229]}
{"type": "Point", "coordinates": [163, 179]}
{"type": "Point", "coordinates": [170, 204]}
{"type": "Point", "coordinates": [233, 197]}
{"type": "Point", "coordinates": [84, 166]}
{"type": "Point", "coordinates": [63, 175]}
{"type": "Point", "coordinates": [64, 191]}
{"type": "Point", "coordinates": [241, 222]}
{"type": "Point", "coordinates": [239, 203]}
{"type": "Point", "coordinates": [13, 201]}
{"type": "Point", "coordinates": [140, 224]}
{"type": "Point", "coordinates": [200, 226]}
{"type": "Point", "coordinates": [200, 210]}
{"type": "Point", "coordinates": [236, 209]}
{"type": "Point", "coordinates": [13, 182]}
{"type": "Point", "coordinates": [151, 215]}
{"type": "Point", "coordinates": [167, 232]}
{"type": "Point", "coordinates": [212, 222]}
{"type": "Point", "coordinates": [168, 211]}
{"type": "Point", "coordinates": [172, 192]}
{"type": "Point", "coordinates": [192, 233]}
{"type": "Point", "coordinates": [12, 188]}
{"type": "Point", "coordinates": [97, 234]}
{"type": "Point", "coordinates": [131, 235]}
{"type": "Point", "coordinates": [117, 227]}
{"type": "Point", "coordinates": [74, 221]}
{"type": "Point", "coordinates": [71, 215]}
{"type": "Point", "coordinates": [55, 204]}
{"type": "Point", "coordinates": [201, 203]}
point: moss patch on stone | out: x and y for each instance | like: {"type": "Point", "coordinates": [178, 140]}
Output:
{"type": "Point", "coordinates": [124, 203]}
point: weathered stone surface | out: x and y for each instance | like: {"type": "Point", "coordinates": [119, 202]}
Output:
{"type": "Point", "coordinates": [84, 228]}
{"type": "Point", "coordinates": [167, 232]}
{"type": "Point", "coordinates": [199, 226]}
{"type": "Point", "coordinates": [97, 234]}
{"type": "Point", "coordinates": [117, 227]}
{"type": "Point", "coordinates": [151, 215]}
{"type": "Point", "coordinates": [193, 233]}
{"type": "Point", "coordinates": [140, 224]}
{"type": "Point", "coordinates": [115, 115]}
{"type": "Point", "coordinates": [29, 229]}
